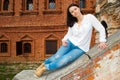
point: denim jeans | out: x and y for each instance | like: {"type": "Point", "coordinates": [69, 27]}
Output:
{"type": "Point", "coordinates": [63, 56]}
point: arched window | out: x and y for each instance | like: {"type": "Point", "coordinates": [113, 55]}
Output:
{"type": "Point", "coordinates": [105, 26]}
{"type": "Point", "coordinates": [52, 7]}
{"type": "Point", "coordinates": [52, 4]}
{"type": "Point", "coordinates": [82, 3]}
{"type": "Point", "coordinates": [29, 5]}
{"type": "Point", "coordinates": [24, 47]}
{"type": "Point", "coordinates": [6, 5]}
{"type": "Point", "coordinates": [4, 48]}
{"type": "Point", "coordinates": [27, 48]}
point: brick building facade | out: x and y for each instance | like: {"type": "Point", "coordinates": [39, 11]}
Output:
{"type": "Point", "coordinates": [31, 30]}
{"type": "Point", "coordinates": [101, 64]}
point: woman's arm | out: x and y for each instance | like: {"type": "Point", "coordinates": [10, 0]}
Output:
{"type": "Point", "coordinates": [102, 35]}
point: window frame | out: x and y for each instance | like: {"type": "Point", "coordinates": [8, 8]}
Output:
{"type": "Point", "coordinates": [6, 54]}
{"type": "Point", "coordinates": [57, 10]}
{"type": "Point", "coordinates": [51, 36]}
{"type": "Point", "coordinates": [56, 44]}
{"type": "Point", "coordinates": [24, 10]}
{"type": "Point", "coordinates": [23, 53]}
{"type": "Point", "coordinates": [3, 47]}
{"type": "Point", "coordinates": [83, 5]}
{"type": "Point", "coordinates": [27, 6]}
{"type": "Point", "coordinates": [89, 6]}
{"type": "Point", "coordinates": [8, 12]}
{"type": "Point", "coordinates": [20, 46]}
{"type": "Point", "coordinates": [48, 5]}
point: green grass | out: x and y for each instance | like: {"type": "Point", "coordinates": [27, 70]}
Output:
{"type": "Point", "coordinates": [9, 70]}
{"type": "Point", "coordinates": [6, 76]}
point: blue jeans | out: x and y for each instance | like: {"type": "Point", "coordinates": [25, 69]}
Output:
{"type": "Point", "coordinates": [63, 56]}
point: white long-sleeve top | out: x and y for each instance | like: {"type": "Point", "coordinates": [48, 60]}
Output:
{"type": "Point", "coordinates": [81, 35]}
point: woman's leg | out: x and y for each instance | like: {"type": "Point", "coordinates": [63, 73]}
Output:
{"type": "Point", "coordinates": [65, 59]}
{"type": "Point", "coordinates": [61, 51]}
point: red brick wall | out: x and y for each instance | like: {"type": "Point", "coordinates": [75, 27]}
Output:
{"type": "Point", "coordinates": [36, 26]}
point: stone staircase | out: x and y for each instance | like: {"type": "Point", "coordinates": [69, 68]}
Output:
{"type": "Point", "coordinates": [74, 67]}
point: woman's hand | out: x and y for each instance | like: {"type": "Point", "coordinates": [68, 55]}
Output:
{"type": "Point", "coordinates": [102, 45]}
{"type": "Point", "coordinates": [64, 43]}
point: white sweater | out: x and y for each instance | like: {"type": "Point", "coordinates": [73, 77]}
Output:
{"type": "Point", "coordinates": [81, 36]}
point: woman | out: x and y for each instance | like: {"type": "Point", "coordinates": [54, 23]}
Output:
{"type": "Point", "coordinates": [77, 40]}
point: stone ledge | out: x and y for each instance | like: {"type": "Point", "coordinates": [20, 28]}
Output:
{"type": "Point", "coordinates": [80, 62]}
{"type": "Point", "coordinates": [111, 41]}
{"type": "Point", "coordinates": [29, 74]}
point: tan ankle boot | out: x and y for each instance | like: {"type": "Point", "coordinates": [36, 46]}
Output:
{"type": "Point", "coordinates": [42, 65]}
{"type": "Point", "coordinates": [38, 73]}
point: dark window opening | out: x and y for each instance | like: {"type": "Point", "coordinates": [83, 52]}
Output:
{"type": "Point", "coordinates": [52, 4]}
{"type": "Point", "coordinates": [19, 48]}
{"type": "Point", "coordinates": [0, 4]}
{"type": "Point", "coordinates": [105, 26]}
{"type": "Point", "coordinates": [27, 48]}
{"type": "Point", "coordinates": [6, 5]}
{"type": "Point", "coordinates": [23, 47]}
{"type": "Point", "coordinates": [51, 46]}
{"type": "Point", "coordinates": [82, 3]}
{"type": "Point", "coordinates": [4, 48]}
{"type": "Point", "coordinates": [29, 5]}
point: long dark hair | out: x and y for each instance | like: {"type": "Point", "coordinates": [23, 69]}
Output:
{"type": "Point", "coordinates": [70, 19]}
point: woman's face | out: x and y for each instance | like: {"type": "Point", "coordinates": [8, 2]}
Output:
{"type": "Point", "coordinates": [75, 11]}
